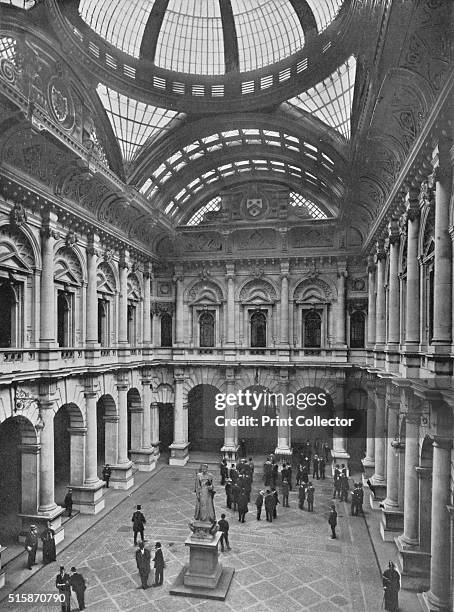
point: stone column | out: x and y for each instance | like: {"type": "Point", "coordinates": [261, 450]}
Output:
{"type": "Point", "coordinates": [179, 299]}
{"type": "Point", "coordinates": [122, 475]}
{"type": "Point", "coordinates": [392, 473]}
{"type": "Point", "coordinates": [230, 448]}
{"type": "Point", "coordinates": [443, 252]}
{"type": "Point", "coordinates": [380, 314]}
{"type": "Point", "coordinates": [340, 327]}
{"type": "Point", "coordinates": [339, 450]}
{"type": "Point", "coordinates": [147, 307]}
{"type": "Point", "coordinates": [179, 454]}
{"type": "Point", "coordinates": [410, 536]}
{"type": "Point", "coordinates": [230, 277]}
{"type": "Point", "coordinates": [283, 412]}
{"type": "Point", "coordinates": [91, 454]}
{"type": "Point", "coordinates": [156, 328]}
{"type": "Point", "coordinates": [123, 302]}
{"type": "Point", "coordinates": [47, 289]}
{"type": "Point", "coordinates": [393, 292]}
{"type": "Point", "coordinates": [371, 322]}
{"type": "Point", "coordinates": [412, 322]}
{"type": "Point", "coordinates": [154, 427]}
{"type": "Point", "coordinates": [144, 458]}
{"type": "Point", "coordinates": [438, 596]}
{"type": "Point", "coordinates": [369, 460]}
{"type": "Point", "coordinates": [379, 479]}
{"type": "Point", "coordinates": [284, 337]}
{"type": "Point", "coordinates": [92, 294]}
{"type": "Point", "coordinates": [46, 465]}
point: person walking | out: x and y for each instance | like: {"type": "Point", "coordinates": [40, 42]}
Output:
{"type": "Point", "coordinates": [62, 584]}
{"type": "Point", "coordinates": [269, 505]}
{"type": "Point", "coordinates": [332, 521]}
{"type": "Point", "coordinates": [31, 546]}
{"type": "Point", "coordinates": [322, 467]}
{"type": "Point", "coordinates": [158, 565]}
{"type": "Point", "coordinates": [285, 493]}
{"type": "Point", "coordinates": [315, 467]}
{"type": "Point", "coordinates": [143, 560]}
{"type": "Point", "coordinates": [391, 586]}
{"type": "Point", "coordinates": [106, 474]}
{"type": "Point", "coordinates": [242, 506]}
{"type": "Point", "coordinates": [275, 502]}
{"type": "Point", "coordinates": [138, 524]}
{"type": "Point", "coordinates": [310, 497]}
{"type": "Point", "coordinates": [228, 493]}
{"type": "Point", "coordinates": [344, 487]}
{"type": "Point", "coordinates": [259, 503]}
{"type": "Point", "coordinates": [68, 503]}
{"type": "Point", "coordinates": [337, 482]}
{"type": "Point", "coordinates": [79, 586]}
{"type": "Point", "coordinates": [224, 529]}
{"type": "Point", "coordinates": [235, 495]}
{"type": "Point", "coordinates": [224, 470]}
{"type": "Point", "coordinates": [49, 549]}
{"type": "Point", "coordinates": [301, 495]}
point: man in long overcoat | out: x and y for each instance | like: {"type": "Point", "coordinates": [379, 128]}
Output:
{"type": "Point", "coordinates": [143, 560]}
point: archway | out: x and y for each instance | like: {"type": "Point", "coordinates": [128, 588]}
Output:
{"type": "Point", "coordinates": [312, 402]}
{"type": "Point", "coordinates": [166, 425]}
{"type": "Point", "coordinates": [18, 475]}
{"type": "Point", "coordinates": [69, 449]}
{"type": "Point", "coordinates": [203, 433]}
{"type": "Point", "coordinates": [425, 494]}
{"type": "Point", "coordinates": [107, 429]}
{"type": "Point", "coordinates": [257, 439]}
{"type": "Point", "coordinates": [356, 404]}
{"type": "Point", "coordinates": [135, 413]}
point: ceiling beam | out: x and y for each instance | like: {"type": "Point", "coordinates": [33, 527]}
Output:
{"type": "Point", "coordinates": [152, 29]}
{"type": "Point", "coordinates": [231, 54]}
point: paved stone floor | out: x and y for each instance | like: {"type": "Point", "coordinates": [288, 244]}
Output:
{"type": "Point", "coordinates": [291, 564]}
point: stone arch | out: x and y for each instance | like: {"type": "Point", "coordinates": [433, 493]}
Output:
{"type": "Point", "coordinates": [204, 292]}
{"type": "Point", "coordinates": [203, 376]}
{"type": "Point", "coordinates": [107, 281]}
{"type": "Point", "coordinates": [203, 433]}
{"type": "Point", "coordinates": [427, 226]}
{"type": "Point", "coordinates": [68, 267]}
{"type": "Point", "coordinates": [107, 430]}
{"type": "Point", "coordinates": [69, 448]}
{"type": "Point", "coordinates": [424, 471]}
{"type": "Point", "coordinates": [313, 290]}
{"type": "Point", "coordinates": [19, 458]}
{"type": "Point", "coordinates": [18, 252]}
{"type": "Point", "coordinates": [165, 399]}
{"type": "Point", "coordinates": [257, 291]}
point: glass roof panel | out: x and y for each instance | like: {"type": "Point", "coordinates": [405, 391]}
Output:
{"type": "Point", "coordinates": [331, 99]}
{"type": "Point", "coordinates": [24, 4]}
{"type": "Point", "coordinates": [121, 23]}
{"type": "Point", "coordinates": [325, 11]}
{"type": "Point", "coordinates": [305, 207]}
{"type": "Point", "coordinates": [8, 48]}
{"type": "Point", "coordinates": [267, 32]}
{"type": "Point", "coordinates": [133, 122]}
{"type": "Point", "coordinates": [191, 38]}
{"type": "Point", "coordinates": [212, 205]}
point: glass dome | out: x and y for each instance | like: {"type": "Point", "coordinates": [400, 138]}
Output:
{"type": "Point", "coordinates": [208, 37]}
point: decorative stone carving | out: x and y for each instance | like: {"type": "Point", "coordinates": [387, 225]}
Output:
{"type": "Point", "coordinates": [134, 292]}
{"type": "Point", "coordinates": [258, 292]}
{"type": "Point", "coordinates": [105, 279]}
{"type": "Point", "coordinates": [206, 292]}
{"type": "Point", "coordinates": [312, 290]}
{"type": "Point", "coordinates": [15, 250]}
{"type": "Point", "coordinates": [18, 215]}
{"type": "Point", "coordinates": [67, 270]}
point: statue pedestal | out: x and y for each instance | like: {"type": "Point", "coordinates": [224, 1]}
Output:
{"type": "Point", "coordinates": [204, 576]}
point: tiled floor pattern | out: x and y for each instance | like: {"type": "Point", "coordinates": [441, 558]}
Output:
{"type": "Point", "coordinates": [288, 565]}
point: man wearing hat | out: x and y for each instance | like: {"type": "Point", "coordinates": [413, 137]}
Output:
{"type": "Point", "coordinates": [62, 584]}
{"type": "Point", "coordinates": [31, 545]}
{"type": "Point", "coordinates": [68, 503]}
{"type": "Point", "coordinates": [158, 565]}
{"type": "Point", "coordinates": [143, 558]}
{"type": "Point", "coordinates": [77, 582]}
{"type": "Point", "coordinates": [138, 524]}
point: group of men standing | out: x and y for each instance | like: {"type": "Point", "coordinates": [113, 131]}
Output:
{"type": "Point", "coordinates": [143, 555]}
{"type": "Point", "coordinates": [65, 582]}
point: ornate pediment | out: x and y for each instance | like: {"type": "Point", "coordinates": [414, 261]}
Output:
{"type": "Point", "coordinates": [15, 250]}
{"type": "Point", "coordinates": [67, 268]}
{"type": "Point", "coordinates": [258, 292]}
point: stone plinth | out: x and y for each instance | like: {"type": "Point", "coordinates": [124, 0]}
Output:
{"type": "Point", "coordinates": [41, 520]}
{"type": "Point", "coordinates": [122, 476]}
{"type": "Point", "coordinates": [414, 567]}
{"type": "Point", "coordinates": [369, 467]}
{"type": "Point", "coordinates": [179, 454]}
{"type": "Point", "coordinates": [391, 524]}
{"type": "Point", "coordinates": [88, 499]}
{"type": "Point", "coordinates": [204, 576]}
{"type": "Point", "coordinates": [144, 459]}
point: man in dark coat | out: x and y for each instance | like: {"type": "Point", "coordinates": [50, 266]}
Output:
{"type": "Point", "coordinates": [31, 546]}
{"type": "Point", "coordinates": [391, 586]}
{"type": "Point", "coordinates": [276, 502]}
{"type": "Point", "coordinates": [78, 585]}
{"type": "Point", "coordinates": [62, 584]}
{"type": "Point", "coordinates": [332, 521]}
{"type": "Point", "coordinates": [242, 505]}
{"type": "Point", "coordinates": [267, 471]}
{"type": "Point", "coordinates": [233, 473]}
{"type": "Point", "coordinates": [106, 474]}
{"type": "Point", "coordinates": [315, 467]}
{"type": "Point", "coordinates": [259, 503]}
{"type": "Point", "coordinates": [224, 529]}
{"type": "Point", "coordinates": [337, 482]}
{"type": "Point", "coordinates": [48, 540]}
{"type": "Point", "coordinates": [322, 467]}
{"type": "Point", "coordinates": [158, 565]}
{"type": "Point", "coordinates": [310, 497]}
{"type": "Point", "coordinates": [68, 503]}
{"type": "Point", "coordinates": [224, 471]}
{"type": "Point", "coordinates": [251, 468]}
{"type": "Point", "coordinates": [305, 473]}
{"type": "Point", "coordinates": [143, 560]}
{"type": "Point", "coordinates": [138, 524]}
{"type": "Point", "coordinates": [344, 487]}
{"type": "Point", "coordinates": [228, 493]}
{"type": "Point", "coordinates": [327, 452]}
{"type": "Point", "coordinates": [274, 473]}
{"type": "Point", "coordinates": [235, 495]}
{"type": "Point", "coordinates": [269, 506]}
{"type": "Point", "coordinates": [301, 495]}
{"type": "Point", "coordinates": [285, 493]}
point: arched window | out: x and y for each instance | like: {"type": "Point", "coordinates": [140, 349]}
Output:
{"type": "Point", "coordinates": [312, 329]}
{"type": "Point", "coordinates": [64, 319]}
{"type": "Point", "coordinates": [206, 329]}
{"type": "Point", "coordinates": [357, 329]}
{"type": "Point", "coordinates": [166, 330]}
{"type": "Point", "coordinates": [7, 312]}
{"type": "Point", "coordinates": [258, 330]}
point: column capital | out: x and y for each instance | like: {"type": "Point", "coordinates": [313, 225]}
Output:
{"type": "Point", "coordinates": [90, 394]}
{"type": "Point", "coordinates": [370, 264]}
{"type": "Point", "coordinates": [393, 232]}
{"type": "Point", "coordinates": [121, 386]}
{"type": "Point", "coordinates": [442, 442]}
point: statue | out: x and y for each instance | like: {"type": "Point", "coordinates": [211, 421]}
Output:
{"type": "Point", "coordinates": [204, 490]}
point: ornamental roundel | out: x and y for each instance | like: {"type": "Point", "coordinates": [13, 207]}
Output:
{"type": "Point", "coordinates": [61, 102]}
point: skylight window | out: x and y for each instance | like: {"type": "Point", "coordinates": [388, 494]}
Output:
{"type": "Point", "coordinates": [121, 23]}
{"type": "Point", "coordinates": [325, 11]}
{"type": "Point", "coordinates": [331, 99]}
{"type": "Point", "coordinates": [191, 39]}
{"type": "Point", "coordinates": [212, 206]}
{"type": "Point", "coordinates": [23, 4]}
{"type": "Point", "coordinates": [8, 48]}
{"type": "Point", "coordinates": [133, 122]}
{"type": "Point", "coordinates": [305, 207]}
{"type": "Point", "coordinates": [267, 32]}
